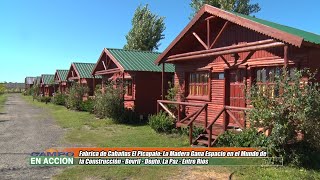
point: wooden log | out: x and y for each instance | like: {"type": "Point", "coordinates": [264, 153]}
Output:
{"type": "Point", "coordinates": [223, 48]}
{"type": "Point", "coordinates": [210, 137]}
{"type": "Point", "coordinates": [200, 40]}
{"type": "Point", "coordinates": [235, 119]}
{"type": "Point", "coordinates": [162, 81]}
{"type": "Point", "coordinates": [230, 51]}
{"type": "Point", "coordinates": [182, 103]}
{"type": "Point", "coordinates": [216, 118]}
{"type": "Point", "coordinates": [109, 71]}
{"type": "Point", "coordinates": [190, 133]}
{"type": "Point", "coordinates": [237, 108]}
{"type": "Point", "coordinates": [285, 55]}
{"type": "Point", "coordinates": [196, 115]}
{"type": "Point", "coordinates": [206, 116]}
{"type": "Point", "coordinates": [189, 116]}
{"type": "Point", "coordinates": [167, 110]}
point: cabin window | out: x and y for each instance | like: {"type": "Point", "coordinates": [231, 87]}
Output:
{"type": "Point", "coordinates": [265, 77]}
{"type": "Point", "coordinates": [128, 87]}
{"type": "Point", "coordinates": [199, 84]}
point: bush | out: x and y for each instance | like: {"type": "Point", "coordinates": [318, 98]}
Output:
{"type": "Point", "coordinates": [292, 112]}
{"type": "Point", "coordinates": [195, 133]}
{"type": "Point", "coordinates": [109, 104]}
{"type": "Point", "coordinates": [161, 122]}
{"type": "Point", "coordinates": [2, 89]}
{"type": "Point", "coordinates": [172, 96]}
{"type": "Point", "coordinates": [130, 117]}
{"type": "Point", "coordinates": [28, 92]}
{"type": "Point", "coordinates": [75, 97]}
{"type": "Point", "coordinates": [247, 138]}
{"type": "Point", "coordinates": [87, 106]}
{"type": "Point", "coordinates": [44, 99]}
{"type": "Point", "coordinates": [59, 98]}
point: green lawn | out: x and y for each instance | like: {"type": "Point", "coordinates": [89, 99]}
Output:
{"type": "Point", "coordinates": [85, 130]}
{"type": "Point", "coordinates": [3, 99]}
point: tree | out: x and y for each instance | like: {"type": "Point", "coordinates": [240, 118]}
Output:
{"type": "Point", "coordinates": [146, 32]}
{"type": "Point", "coordinates": [240, 6]}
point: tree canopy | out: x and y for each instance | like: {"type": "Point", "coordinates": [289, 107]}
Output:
{"type": "Point", "coordinates": [146, 32]}
{"type": "Point", "coordinates": [240, 6]}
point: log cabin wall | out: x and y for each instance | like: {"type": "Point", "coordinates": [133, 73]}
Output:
{"type": "Point", "coordinates": [148, 91]}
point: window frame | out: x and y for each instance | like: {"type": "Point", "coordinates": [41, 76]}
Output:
{"type": "Point", "coordinates": [126, 84]}
{"type": "Point", "coordinates": [202, 93]}
{"type": "Point", "coordinates": [277, 71]}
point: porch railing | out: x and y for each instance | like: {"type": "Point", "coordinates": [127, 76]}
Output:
{"type": "Point", "coordinates": [226, 110]}
{"type": "Point", "coordinates": [203, 107]}
{"type": "Point", "coordinates": [191, 117]}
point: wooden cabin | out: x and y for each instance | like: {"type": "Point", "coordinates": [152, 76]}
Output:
{"type": "Point", "coordinates": [47, 85]}
{"type": "Point", "coordinates": [81, 73]}
{"type": "Point", "coordinates": [218, 54]}
{"type": "Point", "coordinates": [140, 76]}
{"type": "Point", "coordinates": [60, 78]}
{"type": "Point", "coordinates": [28, 82]}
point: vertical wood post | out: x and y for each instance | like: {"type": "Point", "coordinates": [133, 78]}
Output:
{"type": "Point", "coordinates": [162, 82]}
{"type": "Point", "coordinates": [208, 33]}
{"type": "Point", "coordinates": [210, 136]}
{"type": "Point", "coordinates": [179, 114]}
{"type": "Point", "coordinates": [94, 84]}
{"type": "Point", "coordinates": [190, 133]}
{"type": "Point", "coordinates": [225, 119]}
{"type": "Point", "coordinates": [285, 55]}
{"type": "Point", "coordinates": [123, 85]}
{"type": "Point", "coordinates": [206, 116]}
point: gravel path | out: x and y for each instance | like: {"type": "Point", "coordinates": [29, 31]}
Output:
{"type": "Point", "coordinates": [25, 129]}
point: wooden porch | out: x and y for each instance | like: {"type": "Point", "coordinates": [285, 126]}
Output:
{"type": "Point", "coordinates": [212, 129]}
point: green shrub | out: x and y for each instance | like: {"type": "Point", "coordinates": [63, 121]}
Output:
{"type": "Point", "coordinates": [29, 92]}
{"type": "Point", "coordinates": [293, 110]}
{"type": "Point", "coordinates": [109, 104]}
{"type": "Point", "coordinates": [59, 98]}
{"type": "Point", "coordinates": [130, 117]}
{"type": "Point", "coordinates": [87, 105]}
{"type": "Point", "coordinates": [75, 96]}
{"type": "Point", "coordinates": [196, 131]}
{"type": "Point", "coordinates": [172, 96]}
{"type": "Point", "coordinates": [247, 138]}
{"type": "Point", "coordinates": [44, 99]}
{"type": "Point", "coordinates": [3, 89]}
{"type": "Point", "coordinates": [161, 122]}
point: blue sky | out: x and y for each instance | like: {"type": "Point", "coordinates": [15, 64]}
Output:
{"type": "Point", "coordinates": [40, 36]}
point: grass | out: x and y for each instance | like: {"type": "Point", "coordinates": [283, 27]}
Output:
{"type": "Point", "coordinates": [85, 130]}
{"type": "Point", "coordinates": [3, 99]}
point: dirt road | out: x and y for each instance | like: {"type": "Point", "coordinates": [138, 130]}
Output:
{"type": "Point", "coordinates": [25, 129]}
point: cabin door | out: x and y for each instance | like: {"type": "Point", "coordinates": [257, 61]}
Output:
{"type": "Point", "coordinates": [235, 94]}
